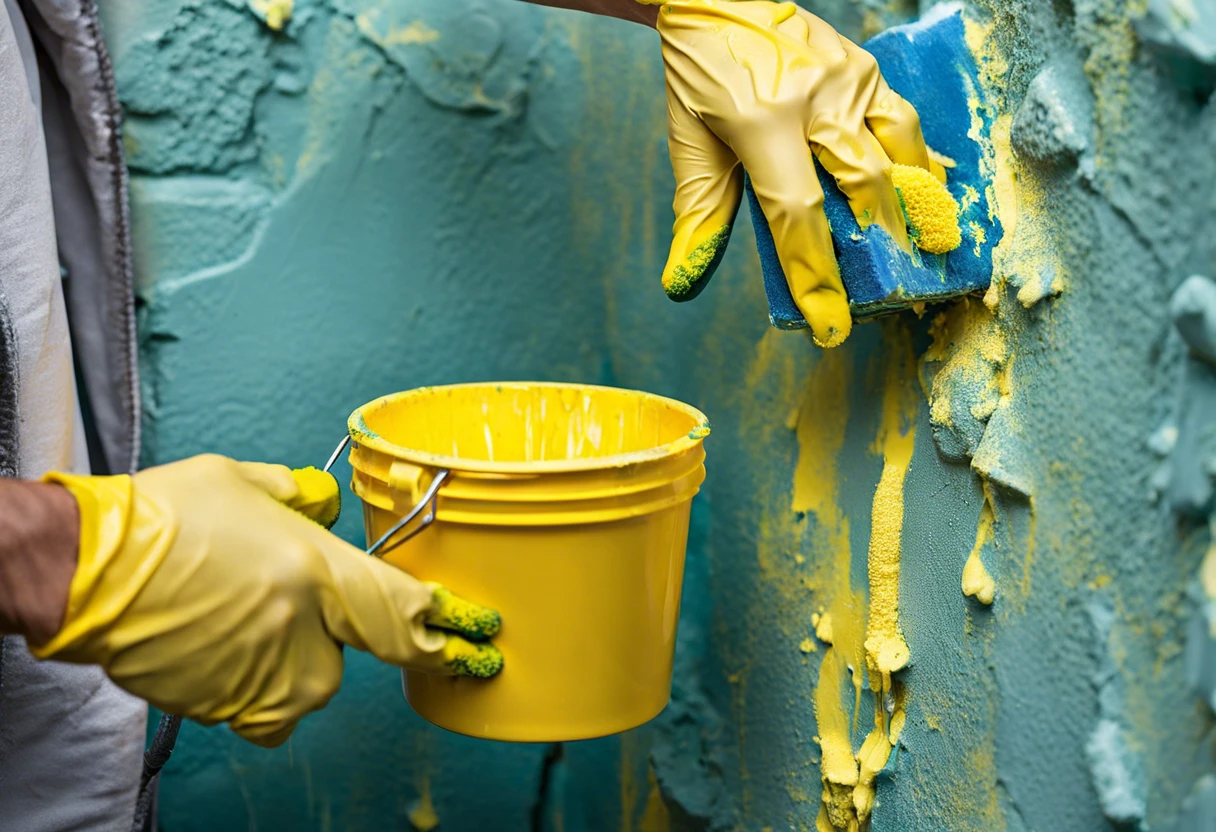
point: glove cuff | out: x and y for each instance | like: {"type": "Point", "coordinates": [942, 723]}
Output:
{"type": "Point", "coordinates": [105, 509]}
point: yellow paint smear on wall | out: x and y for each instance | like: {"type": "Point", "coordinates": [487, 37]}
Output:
{"type": "Point", "coordinates": [848, 776]}
{"type": "Point", "coordinates": [422, 815]}
{"type": "Point", "coordinates": [886, 650]}
{"type": "Point", "coordinates": [838, 766]}
{"type": "Point", "coordinates": [820, 426]}
{"type": "Point", "coordinates": [276, 13]}
{"type": "Point", "coordinates": [977, 581]}
{"type": "Point", "coordinates": [655, 816]}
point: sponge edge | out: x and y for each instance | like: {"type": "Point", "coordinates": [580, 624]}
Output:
{"type": "Point", "coordinates": [931, 211]}
{"type": "Point", "coordinates": [931, 66]}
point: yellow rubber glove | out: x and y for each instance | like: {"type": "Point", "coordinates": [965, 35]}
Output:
{"type": "Point", "coordinates": [198, 589]}
{"type": "Point", "coordinates": [763, 86]}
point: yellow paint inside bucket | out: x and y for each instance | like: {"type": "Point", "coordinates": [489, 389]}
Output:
{"type": "Point", "coordinates": [566, 509]}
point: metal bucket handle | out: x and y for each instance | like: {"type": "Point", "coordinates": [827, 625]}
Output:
{"type": "Point", "coordinates": [429, 501]}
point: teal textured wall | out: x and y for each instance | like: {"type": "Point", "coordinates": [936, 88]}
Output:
{"type": "Point", "coordinates": [392, 193]}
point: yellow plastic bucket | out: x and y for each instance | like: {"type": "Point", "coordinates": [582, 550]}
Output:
{"type": "Point", "coordinates": [563, 506]}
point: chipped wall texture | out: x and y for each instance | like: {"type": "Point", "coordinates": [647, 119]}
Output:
{"type": "Point", "coordinates": [950, 576]}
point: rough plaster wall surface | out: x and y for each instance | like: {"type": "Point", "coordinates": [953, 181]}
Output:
{"type": "Point", "coordinates": [389, 194]}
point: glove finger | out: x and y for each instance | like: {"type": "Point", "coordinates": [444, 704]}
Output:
{"type": "Point", "coordinates": [375, 607]}
{"type": "Point", "coordinates": [896, 125]}
{"type": "Point", "coordinates": [862, 170]}
{"type": "Point", "coordinates": [275, 480]}
{"type": "Point", "coordinates": [819, 35]}
{"type": "Point", "coordinates": [460, 657]}
{"type": "Point", "coordinates": [451, 612]}
{"type": "Point", "coordinates": [709, 188]}
{"type": "Point", "coordinates": [268, 735]}
{"type": "Point", "coordinates": [310, 491]}
{"type": "Point", "coordinates": [787, 186]}
{"type": "Point", "coordinates": [304, 683]}
{"type": "Point", "coordinates": [464, 658]}
{"type": "Point", "coordinates": [893, 121]}
{"type": "Point", "coordinates": [318, 496]}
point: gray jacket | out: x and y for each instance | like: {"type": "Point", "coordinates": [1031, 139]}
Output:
{"type": "Point", "coordinates": [70, 741]}
{"type": "Point", "coordinates": [82, 121]}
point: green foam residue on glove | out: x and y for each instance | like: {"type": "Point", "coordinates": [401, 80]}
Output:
{"type": "Point", "coordinates": [481, 661]}
{"type": "Point", "coordinates": [472, 621]}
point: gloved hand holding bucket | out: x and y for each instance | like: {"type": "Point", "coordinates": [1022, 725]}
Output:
{"type": "Point", "coordinates": [209, 587]}
{"type": "Point", "coordinates": [199, 588]}
{"type": "Point", "coordinates": [565, 507]}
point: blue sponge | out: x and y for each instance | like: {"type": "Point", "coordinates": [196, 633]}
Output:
{"type": "Point", "coordinates": [929, 64]}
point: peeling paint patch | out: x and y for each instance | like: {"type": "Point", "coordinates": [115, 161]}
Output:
{"type": "Point", "coordinates": [1117, 773]}
{"type": "Point", "coordinates": [190, 91]}
{"type": "Point", "coordinates": [1115, 767]}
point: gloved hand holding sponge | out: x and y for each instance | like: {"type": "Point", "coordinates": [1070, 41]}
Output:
{"type": "Point", "coordinates": [769, 87]}
{"type": "Point", "coordinates": [202, 588]}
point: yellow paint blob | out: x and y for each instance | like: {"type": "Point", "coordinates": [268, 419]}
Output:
{"type": "Point", "coordinates": [1207, 572]}
{"type": "Point", "coordinates": [898, 720]}
{"type": "Point", "coordinates": [931, 210]}
{"type": "Point", "coordinates": [807, 645]}
{"type": "Point", "coordinates": [972, 349]}
{"type": "Point", "coordinates": [977, 582]}
{"type": "Point", "coordinates": [422, 815]}
{"type": "Point", "coordinates": [276, 13]}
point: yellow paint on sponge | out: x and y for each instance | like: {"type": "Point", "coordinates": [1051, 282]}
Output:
{"type": "Point", "coordinates": [931, 210]}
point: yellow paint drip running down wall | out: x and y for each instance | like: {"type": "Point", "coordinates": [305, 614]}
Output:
{"type": "Point", "coordinates": [848, 776]}
{"type": "Point", "coordinates": [977, 581]}
{"type": "Point", "coordinates": [886, 651]}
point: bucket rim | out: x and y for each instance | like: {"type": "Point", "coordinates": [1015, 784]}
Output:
{"type": "Point", "coordinates": [365, 437]}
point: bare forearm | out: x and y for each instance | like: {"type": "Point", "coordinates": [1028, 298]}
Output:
{"type": "Point", "coordinates": [39, 537]}
{"type": "Point", "coordinates": [620, 9]}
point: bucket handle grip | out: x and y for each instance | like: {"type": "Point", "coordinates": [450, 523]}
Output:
{"type": "Point", "coordinates": [429, 501]}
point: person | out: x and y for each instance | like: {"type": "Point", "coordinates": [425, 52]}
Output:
{"type": "Point", "coordinates": [204, 586]}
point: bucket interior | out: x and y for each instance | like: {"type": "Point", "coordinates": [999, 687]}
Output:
{"type": "Point", "coordinates": [527, 424]}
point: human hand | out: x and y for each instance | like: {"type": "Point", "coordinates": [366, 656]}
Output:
{"type": "Point", "coordinates": [768, 87]}
{"type": "Point", "coordinates": [198, 589]}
